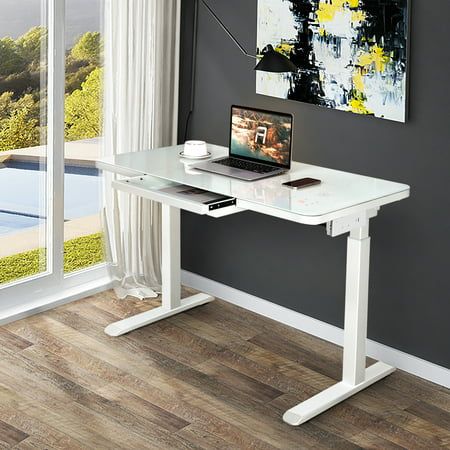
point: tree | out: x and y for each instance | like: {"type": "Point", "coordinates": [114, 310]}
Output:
{"type": "Point", "coordinates": [19, 122]}
{"type": "Point", "coordinates": [9, 106]}
{"type": "Point", "coordinates": [75, 79]}
{"type": "Point", "coordinates": [6, 105]}
{"type": "Point", "coordinates": [84, 116]}
{"type": "Point", "coordinates": [88, 48]}
{"type": "Point", "coordinates": [30, 45]}
{"type": "Point", "coordinates": [10, 59]}
{"type": "Point", "coordinates": [19, 131]}
{"type": "Point", "coordinates": [20, 83]}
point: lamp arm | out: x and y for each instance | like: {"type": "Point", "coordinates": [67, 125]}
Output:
{"type": "Point", "coordinates": [194, 55]}
{"type": "Point", "coordinates": [224, 28]}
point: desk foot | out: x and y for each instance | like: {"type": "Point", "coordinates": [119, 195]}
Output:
{"type": "Point", "coordinates": [333, 395]}
{"type": "Point", "coordinates": [154, 315]}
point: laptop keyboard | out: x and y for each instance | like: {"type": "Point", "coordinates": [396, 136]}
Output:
{"type": "Point", "coordinates": [246, 165]}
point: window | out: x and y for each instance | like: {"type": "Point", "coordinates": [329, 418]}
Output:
{"type": "Point", "coordinates": [50, 136]}
{"type": "Point", "coordinates": [83, 135]}
{"type": "Point", "coordinates": [23, 142]}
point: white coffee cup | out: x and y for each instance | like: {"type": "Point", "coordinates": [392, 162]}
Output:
{"type": "Point", "coordinates": [195, 149]}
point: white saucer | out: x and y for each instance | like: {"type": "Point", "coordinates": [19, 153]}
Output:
{"type": "Point", "coordinates": [195, 157]}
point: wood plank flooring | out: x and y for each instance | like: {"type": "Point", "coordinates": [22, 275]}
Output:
{"type": "Point", "coordinates": [216, 377]}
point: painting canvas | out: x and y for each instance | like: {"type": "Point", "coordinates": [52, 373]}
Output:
{"type": "Point", "coordinates": [351, 54]}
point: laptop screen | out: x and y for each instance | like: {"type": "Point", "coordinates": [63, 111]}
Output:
{"type": "Point", "coordinates": [262, 136]}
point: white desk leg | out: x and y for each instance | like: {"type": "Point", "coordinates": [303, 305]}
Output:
{"type": "Point", "coordinates": [355, 376]}
{"type": "Point", "coordinates": [171, 281]}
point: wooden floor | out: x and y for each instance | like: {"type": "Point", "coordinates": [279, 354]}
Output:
{"type": "Point", "coordinates": [214, 377]}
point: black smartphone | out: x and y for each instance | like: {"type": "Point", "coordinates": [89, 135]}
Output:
{"type": "Point", "coordinates": [301, 183]}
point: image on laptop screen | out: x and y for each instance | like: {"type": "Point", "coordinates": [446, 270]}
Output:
{"type": "Point", "coordinates": [261, 135]}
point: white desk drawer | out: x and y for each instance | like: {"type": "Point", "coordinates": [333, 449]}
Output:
{"type": "Point", "coordinates": [179, 196]}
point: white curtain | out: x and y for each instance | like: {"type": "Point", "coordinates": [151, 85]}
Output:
{"type": "Point", "coordinates": [141, 110]}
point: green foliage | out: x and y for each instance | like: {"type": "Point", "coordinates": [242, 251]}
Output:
{"type": "Point", "coordinates": [79, 253]}
{"type": "Point", "coordinates": [21, 83]}
{"type": "Point", "coordinates": [22, 265]}
{"type": "Point", "coordinates": [30, 45]}
{"type": "Point", "coordinates": [83, 252]}
{"type": "Point", "coordinates": [88, 48]}
{"type": "Point", "coordinates": [19, 124]}
{"type": "Point", "coordinates": [21, 93]}
{"type": "Point", "coordinates": [19, 131]}
{"type": "Point", "coordinates": [75, 79]}
{"type": "Point", "coordinates": [84, 116]}
{"type": "Point", "coordinates": [10, 59]}
{"type": "Point", "coordinates": [8, 106]}
{"type": "Point", "coordinates": [20, 62]}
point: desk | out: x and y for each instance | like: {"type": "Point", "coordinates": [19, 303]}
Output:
{"type": "Point", "coordinates": [344, 202]}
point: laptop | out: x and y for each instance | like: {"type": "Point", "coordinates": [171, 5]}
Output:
{"type": "Point", "coordinates": [260, 145]}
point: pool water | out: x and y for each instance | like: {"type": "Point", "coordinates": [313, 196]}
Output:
{"type": "Point", "coordinates": [12, 222]}
{"type": "Point", "coordinates": [23, 194]}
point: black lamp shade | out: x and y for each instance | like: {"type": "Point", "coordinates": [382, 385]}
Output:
{"type": "Point", "coordinates": [273, 61]}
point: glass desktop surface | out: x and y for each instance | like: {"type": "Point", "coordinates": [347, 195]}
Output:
{"type": "Point", "coordinates": [338, 190]}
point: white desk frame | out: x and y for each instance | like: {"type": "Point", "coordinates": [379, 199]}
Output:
{"type": "Point", "coordinates": [171, 281]}
{"type": "Point", "coordinates": [354, 220]}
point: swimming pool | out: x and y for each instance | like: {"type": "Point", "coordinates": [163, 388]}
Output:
{"type": "Point", "coordinates": [23, 194]}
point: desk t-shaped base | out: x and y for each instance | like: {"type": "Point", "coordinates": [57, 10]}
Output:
{"type": "Point", "coordinates": [355, 376]}
{"type": "Point", "coordinates": [171, 281]}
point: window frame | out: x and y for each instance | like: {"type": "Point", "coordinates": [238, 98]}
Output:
{"type": "Point", "coordinates": [45, 290]}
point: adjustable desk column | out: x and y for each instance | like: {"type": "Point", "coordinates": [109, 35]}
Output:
{"type": "Point", "coordinates": [355, 376]}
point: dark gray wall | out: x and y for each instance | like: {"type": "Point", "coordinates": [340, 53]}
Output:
{"type": "Point", "coordinates": [298, 266]}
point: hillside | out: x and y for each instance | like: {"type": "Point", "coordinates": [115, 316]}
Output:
{"type": "Point", "coordinates": [17, 17]}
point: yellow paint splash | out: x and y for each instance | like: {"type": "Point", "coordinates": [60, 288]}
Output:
{"type": "Point", "coordinates": [284, 49]}
{"type": "Point", "coordinates": [358, 16]}
{"type": "Point", "coordinates": [357, 106]}
{"type": "Point", "coordinates": [358, 81]}
{"type": "Point", "coordinates": [328, 10]}
{"type": "Point", "coordinates": [376, 57]}
{"type": "Point", "coordinates": [342, 3]}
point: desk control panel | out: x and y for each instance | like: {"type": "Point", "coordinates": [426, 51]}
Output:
{"type": "Point", "coordinates": [345, 224]}
{"type": "Point", "coordinates": [198, 201]}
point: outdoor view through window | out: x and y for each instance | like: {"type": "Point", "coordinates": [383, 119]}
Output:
{"type": "Point", "coordinates": [23, 137]}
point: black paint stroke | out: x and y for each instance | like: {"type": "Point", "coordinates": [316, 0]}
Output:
{"type": "Point", "coordinates": [386, 25]}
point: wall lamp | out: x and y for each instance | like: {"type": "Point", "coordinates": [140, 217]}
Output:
{"type": "Point", "coordinates": [271, 60]}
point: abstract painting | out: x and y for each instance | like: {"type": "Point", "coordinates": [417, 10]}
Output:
{"type": "Point", "coordinates": [351, 54]}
